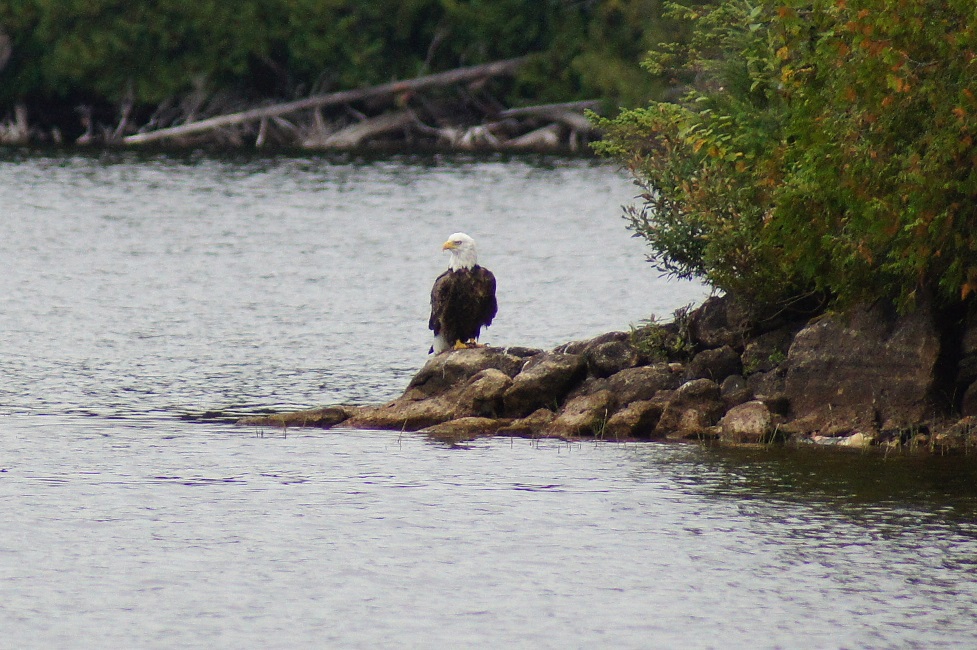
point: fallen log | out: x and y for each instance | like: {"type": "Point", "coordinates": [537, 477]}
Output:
{"type": "Point", "coordinates": [16, 131]}
{"type": "Point", "coordinates": [568, 113]}
{"type": "Point", "coordinates": [356, 134]}
{"type": "Point", "coordinates": [547, 137]}
{"type": "Point", "coordinates": [545, 110]}
{"type": "Point", "coordinates": [458, 75]}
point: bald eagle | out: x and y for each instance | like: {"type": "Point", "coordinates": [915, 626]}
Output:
{"type": "Point", "coordinates": [463, 297]}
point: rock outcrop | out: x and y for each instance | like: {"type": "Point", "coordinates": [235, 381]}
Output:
{"type": "Point", "coordinates": [868, 370]}
{"type": "Point", "coordinates": [722, 372]}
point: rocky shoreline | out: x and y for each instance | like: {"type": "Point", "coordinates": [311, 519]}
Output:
{"type": "Point", "coordinates": [724, 373]}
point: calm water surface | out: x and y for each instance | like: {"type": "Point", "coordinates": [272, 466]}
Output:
{"type": "Point", "coordinates": [138, 291]}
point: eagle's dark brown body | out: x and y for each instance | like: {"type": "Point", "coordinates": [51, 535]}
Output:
{"type": "Point", "coordinates": [462, 303]}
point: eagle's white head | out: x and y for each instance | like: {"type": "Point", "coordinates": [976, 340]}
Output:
{"type": "Point", "coordinates": [462, 249]}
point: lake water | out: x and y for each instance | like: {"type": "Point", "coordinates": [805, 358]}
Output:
{"type": "Point", "coordinates": [139, 292]}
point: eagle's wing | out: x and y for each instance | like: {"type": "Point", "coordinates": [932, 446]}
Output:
{"type": "Point", "coordinates": [438, 302]}
{"type": "Point", "coordinates": [488, 305]}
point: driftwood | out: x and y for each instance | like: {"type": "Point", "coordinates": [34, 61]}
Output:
{"type": "Point", "coordinates": [401, 114]}
{"type": "Point", "coordinates": [16, 131]}
{"type": "Point", "coordinates": [459, 75]}
{"type": "Point", "coordinates": [550, 110]}
{"type": "Point", "coordinates": [355, 135]}
{"type": "Point", "coordinates": [547, 137]}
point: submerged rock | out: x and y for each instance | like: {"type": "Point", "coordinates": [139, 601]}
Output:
{"type": "Point", "coordinates": [464, 429]}
{"type": "Point", "coordinates": [325, 418]}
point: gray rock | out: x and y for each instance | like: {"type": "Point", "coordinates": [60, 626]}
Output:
{"type": "Point", "coordinates": [531, 425]}
{"type": "Point", "coordinates": [642, 383]}
{"type": "Point", "coordinates": [589, 386]}
{"type": "Point", "coordinates": [581, 347]}
{"type": "Point", "coordinates": [692, 408]}
{"type": "Point", "coordinates": [715, 364]}
{"type": "Point", "coordinates": [484, 393]}
{"type": "Point", "coordinates": [478, 395]}
{"type": "Point", "coordinates": [768, 385]}
{"type": "Point", "coordinates": [636, 420]}
{"type": "Point", "coordinates": [406, 415]}
{"type": "Point", "coordinates": [324, 418]}
{"type": "Point", "coordinates": [767, 351]}
{"type": "Point", "coordinates": [543, 383]}
{"type": "Point", "coordinates": [463, 429]}
{"type": "Point", "coordinates": [747, 422]}
{"type": "Point", "coordinates": [849, 373]}
{"type": "Point", "coordinates": [583, 416]}
{"type": "Point", "coordinates": [734, 390]}
{"type": "Point", "coordinates": [606, 359]}
{"type": "Point", "coordinates": [444, 371]}
{"type": "Point", "coordinates": [720, 321]}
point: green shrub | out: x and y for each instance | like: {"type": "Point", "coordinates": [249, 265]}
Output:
{"type": "Point", "coordinates": [823, 145]}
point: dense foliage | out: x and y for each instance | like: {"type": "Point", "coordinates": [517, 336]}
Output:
{"type": "Point", "coordinates": [148, 51]}
{"type": "Point", "coordinates": [824, 145]}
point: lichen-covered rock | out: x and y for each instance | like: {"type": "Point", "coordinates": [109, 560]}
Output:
{"type": "Point", "coordinates": [768, 385]}
{"type": "Point", "coordinates": [720, 321]}
{"type": "Point", "coordinates": [642, 383]}
{"type": "Point", "coordinates": [444, 371]}
{"type": "Point", "coordinates": [484, 393]}
{"type": "Point", "coordinates": [608, 358]}
{"type": "Point", "coordinates": [543, 383]}
{"type": "Point", "coordinates": [463, 429]}
{"type": "Point", "coordinates": [401, 416]}
{"type": "Point", "coordinates": [850, 373]}
{"type": "Point", "coordinates": [747, 422]}
{"type": "Point", "coordinates": [715, 364]}
{"type": "Point", "coordinates": [734, 390]}
{"type": "Point", "coordinates": [581, 347]}
{"type": "Point", "coordinates": [478, 395]}
{"type": "Point", "coordinates": [636, 420]}
{"type": "Point", "coordinates": [324, 418]}
{"type": "Point", "coordinates": [767, 351]}
{"type": "Point", "coordinates": [583, 416]}
{"type": "Point", "coordinates": [692, 408]}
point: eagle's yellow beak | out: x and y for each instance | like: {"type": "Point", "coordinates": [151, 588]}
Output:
{"type": "Point", "coordinates": [448, 245]}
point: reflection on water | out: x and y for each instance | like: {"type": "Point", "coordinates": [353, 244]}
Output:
{"type": "Point", "coordinates": [141, 288]}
